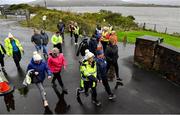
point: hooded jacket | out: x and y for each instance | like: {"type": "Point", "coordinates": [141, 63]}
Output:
{"type": "Point", "coordinates": [111, 53]}
{"type": "Point", "coordinates": [56, 63]}
{"type": "Point", "coordinates": [93, 45]}
{"type": "Point", "coordinates": [41, 68]}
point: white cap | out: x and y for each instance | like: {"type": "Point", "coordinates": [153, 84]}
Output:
{"type": "Point", "coordinates": [36, 56]}
{"type": "Point", "coordinates": [88, 54]}
{"type": "Point", "coordinates": [10, 35]}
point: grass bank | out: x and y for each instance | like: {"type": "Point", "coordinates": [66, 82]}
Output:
{"type": "Point", "coordinates": [132, 35]}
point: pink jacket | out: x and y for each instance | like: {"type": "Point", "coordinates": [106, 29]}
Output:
{"type": "Point", "coordinates": [56, 64]}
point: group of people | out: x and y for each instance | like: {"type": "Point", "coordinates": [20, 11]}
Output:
{"type": "Point", "coordinates": [98, 54]}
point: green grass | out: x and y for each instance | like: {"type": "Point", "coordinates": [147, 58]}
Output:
{"type": "Point", "coordinates": [132, 35]}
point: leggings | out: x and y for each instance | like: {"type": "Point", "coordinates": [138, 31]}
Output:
{"type": "Point", "coordinates": [58, 77]}
{"type": "Point", "coordinates": [42, 90]}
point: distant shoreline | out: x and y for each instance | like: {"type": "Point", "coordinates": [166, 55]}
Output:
{"type": "Point", "coordinates": [123, 5]}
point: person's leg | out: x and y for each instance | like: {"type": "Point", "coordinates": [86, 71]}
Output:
{"type": "Point", "coordinates": [16, 59]}
{"type": "Point", "coordinates": [62, 34]}
{"type": "Point", "coordinates": [2, 62]}
{"type": "Point", "coordinates": [94, 94]}
{"type": "Point", "coordinates": [42, 91]}
{"type": "Point", "coordinates": [71, 34]}
{"type": "Point", "coordinates": [106, 86]}
{"type": "Point", "coordinates": [116, 67]}
{"type": "Point", "coordinates": [45, 49]}
{"type": "Point", "coordinates": [108, 66]}
{"type": "Point", "coordinates": [38, 48]}
{"type": "Point", "coordinates": [54, 78]}
{"type": "Point", "coordinates": [58, 76]}
{"type": "Point", "coordinates": [93, 91]}
{"type": "Point", "coordinates": [76, 38]}
{"type": "Point", "coordinates": [86, 87]}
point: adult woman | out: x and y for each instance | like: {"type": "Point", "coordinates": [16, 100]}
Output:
{"type": "Point", "coordinates": [56, 62]}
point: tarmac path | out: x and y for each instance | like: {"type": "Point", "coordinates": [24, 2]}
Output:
{"type": "Point", "coordinates": [143, 91]}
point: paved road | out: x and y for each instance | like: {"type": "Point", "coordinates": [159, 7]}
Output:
{"type": "Point", "coordinates": [143, 92]}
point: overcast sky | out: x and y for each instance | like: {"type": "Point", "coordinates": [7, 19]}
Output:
{"type": "Point", "coordinates": [172, 2]}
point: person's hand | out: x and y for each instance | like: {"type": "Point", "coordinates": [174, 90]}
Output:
{"type": "Point", "coordinates": [36, 73]}
{"type": "Point", "coordinates": [49, 77]}
{"type": "Point", "coordinates": [65, 67]}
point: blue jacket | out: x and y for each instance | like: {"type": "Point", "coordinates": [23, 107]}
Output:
{"type": "Point", "coordinates": [42, 68]}
{"type": "Point", "coordinates": [101, 68]}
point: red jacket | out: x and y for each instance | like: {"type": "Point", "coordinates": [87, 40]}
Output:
{"type": "Point", "coordinates": [56, 63]}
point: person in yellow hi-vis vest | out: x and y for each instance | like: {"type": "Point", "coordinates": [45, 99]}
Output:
{"type": "Point", "coordinates": [89, 79]}
{"type": "Point", "coordinates": [76, 32]}
{"type": "Point", "coordinates": [105, 37]}
{"type": "Point", "coordinates": [56, 40]}
{"type": "Point", "coordinates": [14, 48]}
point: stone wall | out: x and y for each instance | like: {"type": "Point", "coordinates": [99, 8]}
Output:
{"type": "Point", "coordinates": [152, 54]}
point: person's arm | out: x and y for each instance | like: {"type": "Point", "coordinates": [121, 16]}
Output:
{"type": "Point", "coordinates": [19, 45]}
{"type": "Point", "coordinates": [7, 47]}
{"type": "Point", "coordinates": [4, 51]}
{"type": "Point", "coordinates": [64, 62]}
{"type": "Point", "coordinates": [107, 52]}
{"type": "Point", "coordinates": [48, 71]}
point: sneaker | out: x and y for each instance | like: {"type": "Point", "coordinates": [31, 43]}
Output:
{"type": "Point", "coordinates": [119, 79]}
{"type": "Point", "coordinates": [97, 103]}
{"type": "Point", "coordinates": [112, 96]}
{"type": "Point", "coordinates": [45, 93]}
{"type": "Point", "coordinates": [45, 103]}
{"type": "Point", "coordinates": [65, 91]}
{"type": "Point", "coordinates": [3, 69]}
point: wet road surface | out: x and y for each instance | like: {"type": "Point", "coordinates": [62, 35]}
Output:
{"type": "Point", "coordinates": [143, 91]}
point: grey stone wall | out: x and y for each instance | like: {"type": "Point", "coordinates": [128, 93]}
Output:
{"type": "Point", "coordinates": [152, 54]}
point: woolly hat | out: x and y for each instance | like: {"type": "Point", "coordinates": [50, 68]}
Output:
{"type": "Point", "coordinates": [36, 56]}
{"type": "Point", "coordinates": [88, 54]}
{"type": "Point", "coordinates": [10, 35]}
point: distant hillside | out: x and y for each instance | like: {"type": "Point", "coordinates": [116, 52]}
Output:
{"type": "Point", "coordinates": [56, 3]}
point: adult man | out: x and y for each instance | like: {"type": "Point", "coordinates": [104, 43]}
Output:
{"type": "Point", "coordinates": [61, 28]}
{"type": "Point", "coordinates": [36, 39]}
{"type": "Point", "coordinates": [14, 48]}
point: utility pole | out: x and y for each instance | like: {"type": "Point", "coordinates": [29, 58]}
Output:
{"type": "Point", "coordinates": [45, 4]}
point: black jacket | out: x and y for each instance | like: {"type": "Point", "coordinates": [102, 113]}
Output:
{"type": "Point", "coordinates": [111, 53]}
{"type": "Point", "coordinates": [36, 38]}
{"type": "Point", "coordinates": [82, 47]}
{"type": "Point", "coordinates": [45, 38]}
{"type": "Point", "coordinates": [93, 45]}
{"type": "Point", "coordinates": [61, 27]}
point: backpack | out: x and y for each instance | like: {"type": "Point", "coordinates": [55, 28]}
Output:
{"type": "Point", "coordinates": [82, 47]}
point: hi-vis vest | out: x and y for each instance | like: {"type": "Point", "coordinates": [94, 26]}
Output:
{"type": "Point", "coordinates": [86, 70]}
{"type": "Point", "coordinates": [9, 47]}
{"type": "Point", "coordinates": [104, 36]}
{"type": "Point", "coordinates": [55, 40]}
{"type": "Point", "coordinates": [76, 30]}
